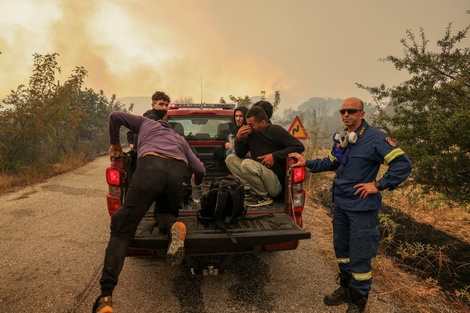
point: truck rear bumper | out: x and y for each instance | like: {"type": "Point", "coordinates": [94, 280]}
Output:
{"type": "Point", "coordinates": [249, 234]}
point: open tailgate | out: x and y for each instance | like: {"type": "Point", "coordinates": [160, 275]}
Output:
{"type": "Point", "coordinates": [248, 233]}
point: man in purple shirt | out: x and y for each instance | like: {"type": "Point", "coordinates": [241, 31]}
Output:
{"type": "Point", "coordinates": [166, 162]}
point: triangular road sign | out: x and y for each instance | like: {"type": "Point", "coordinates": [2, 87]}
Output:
{"type": "Point", "coordinates": [297, 130]}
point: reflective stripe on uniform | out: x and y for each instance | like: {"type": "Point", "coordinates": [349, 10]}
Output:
{"type": "Point", "coordinates": [343, 260]}
{"type": "Point", "coordinates": [392, 155]}
{"type": "Point", "coordinates": [362, 276]}
{"type": "Point", "coordinates": [332, 157]}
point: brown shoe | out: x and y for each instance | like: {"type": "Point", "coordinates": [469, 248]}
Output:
{"type": "Point", "coordinates": [104, 304]}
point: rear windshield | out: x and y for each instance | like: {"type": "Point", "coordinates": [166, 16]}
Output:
{"type": "Point", "coordinates": [202, 127]}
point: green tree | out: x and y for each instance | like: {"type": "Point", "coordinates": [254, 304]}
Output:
{"type": "Point", "coordinates": [247, 101]}
{"type": "Point", "coordinates": [241, 102]}
{"type": "Point", "coordinates": [47, 121]}
{"type": "Point", "coordinates": [277, 100]}
{"type": "Point", "coordinates": [429, 113]}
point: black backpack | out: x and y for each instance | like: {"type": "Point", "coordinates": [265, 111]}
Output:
{"type": "Point", "coordinates": [223, 204]}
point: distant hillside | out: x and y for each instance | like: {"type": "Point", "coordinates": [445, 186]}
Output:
{"type": "Point", "coordinates": [328, 106]}
{"type": "Point", "coordinates": [141, 104]}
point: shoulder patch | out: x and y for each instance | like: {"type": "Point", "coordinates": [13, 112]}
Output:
{"type": "Point", "coordinates": [390, 142]}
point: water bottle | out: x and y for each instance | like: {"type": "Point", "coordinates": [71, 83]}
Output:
{"type": "Point", "coordinates": [231, 139]}
{"type": "Point", "coordinates": [196, 191]}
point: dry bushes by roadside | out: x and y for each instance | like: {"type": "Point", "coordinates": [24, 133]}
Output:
{"type": "Point", "coordinates": [9, 181]}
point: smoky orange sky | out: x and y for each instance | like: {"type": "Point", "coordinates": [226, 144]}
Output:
{"type": "Point", "coordinates": [207, 49]}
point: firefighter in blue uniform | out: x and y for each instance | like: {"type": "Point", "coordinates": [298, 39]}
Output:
{"type": "Point", "coordinates": [356, 156]}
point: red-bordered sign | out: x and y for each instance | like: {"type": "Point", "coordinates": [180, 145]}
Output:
{"type": "Point", "coordinates": [297, 130]}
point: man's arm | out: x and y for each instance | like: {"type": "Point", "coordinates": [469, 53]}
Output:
{"type": "Point", "coordinates": [195, 165]}
{"type": "Point", "coordinates": [130, 137]}
{"type": "Point", "coordinates": [328, 163]}
{"type": "Point", "coordinates": [398, 171]}
{"type": "Point", "coordinates": [300, 159]}
{"type": "Point", "coordinates": [116, 120]}
{"type": "Point", "coordinates": [115, 150]}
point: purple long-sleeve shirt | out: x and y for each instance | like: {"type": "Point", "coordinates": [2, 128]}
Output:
{"type": "Point", "coordinates": [155, 136]}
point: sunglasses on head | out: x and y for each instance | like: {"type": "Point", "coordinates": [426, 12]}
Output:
{"type": "Point", "coordinates": [350, 111]}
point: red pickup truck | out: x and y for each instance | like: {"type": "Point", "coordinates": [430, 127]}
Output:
{"type": "Point", "coordinates": [208, 249]}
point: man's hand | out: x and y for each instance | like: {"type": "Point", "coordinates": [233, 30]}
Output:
{"type": "Point", "coordinates": [300, 159]}
{"type": "Point", "coordinates": [115, 151]}
{"type": "Point", "coordinates": [244, 131]}
{"type": "Point", "coordinates": [228, 145]}
{"type": "Point", "coordinates": [267, 160]}
{"type": "Point", "coordinates": [365, 189]}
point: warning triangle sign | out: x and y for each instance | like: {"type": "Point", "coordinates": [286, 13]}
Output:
{"type": "Point", "coordinates": [297, 130]}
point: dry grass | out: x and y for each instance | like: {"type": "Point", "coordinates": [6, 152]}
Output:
{"type": "Point", "coordinates": [431, 209]}
{"type": "Point", "coordinates": [11, 181]}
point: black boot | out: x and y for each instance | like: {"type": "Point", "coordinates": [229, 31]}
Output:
{"type": "Point", "coordinates": [357, 302]}
{"type": "Point", "coordinates": [340, 295]}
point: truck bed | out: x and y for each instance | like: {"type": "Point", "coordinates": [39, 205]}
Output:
{"type": "Point", "coordinates": [261, 226]}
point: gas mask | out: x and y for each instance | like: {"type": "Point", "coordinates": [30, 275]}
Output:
{"type": "Point", "coordinates": [344, 137]}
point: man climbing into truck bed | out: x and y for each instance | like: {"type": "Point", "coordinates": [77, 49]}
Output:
{"type": "Point", "coordinates": [165, 163]}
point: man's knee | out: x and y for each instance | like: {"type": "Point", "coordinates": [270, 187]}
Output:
{"type": "Point", "coordinates": [364, 243]}
{"type": "Point", "coordinates": [233, 161]}
{"type": "Point", "coordinates": [251, 166]}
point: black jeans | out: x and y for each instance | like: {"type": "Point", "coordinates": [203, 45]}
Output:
{"type": "Point", "coordinates": [153, 178]}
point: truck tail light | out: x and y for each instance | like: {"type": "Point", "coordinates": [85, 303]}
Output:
{"type": "Point", "coordinates": [115, 191]}
{"type": "Point", "coordinates": [117, 180]}
{"type": "Point", "coordinates": [296, 192]}
{"type": "Point", "coordinates": [114, 204]}
{"type": "Point", "coordinates": [298, 200]}
{"type": "Point", "coordinates": [113, 176]}
{"type": "Point", "coordinates": [298, 187]}
{"type": "Point", "coordinates": [298, 174]}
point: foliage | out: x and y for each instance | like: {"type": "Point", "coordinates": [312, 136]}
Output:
{"type": "Point", "coordinates": [46, 121]}
{"type": "Point", "coordinates": [277, 100]}
{"type": "Point", "coordinates": [247, 101]}
{"type": "Point", "coordinates": [430, 112]}
{"type": "Point", "coordinates": [241, 102]}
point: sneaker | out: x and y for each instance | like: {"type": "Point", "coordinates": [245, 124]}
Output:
{"type": "Point", "coordinates": [257, 201]}
{"type": "Point", "coordinates": [104, 304]}
{"type": "Point", "coordinates": [249, 195]}
{"type": "Point", "coordinates": [175, 253]}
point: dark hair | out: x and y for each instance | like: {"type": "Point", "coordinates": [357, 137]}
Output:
{"type": "Point", "coordinates": [267, 107]}
{"type": "Point", "coordinates": [258, 113]}
{"type": "Point", "coordinates": [160, 95]}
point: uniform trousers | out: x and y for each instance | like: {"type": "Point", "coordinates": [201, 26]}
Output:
{"type": "Point", "coordinates": [356, 239]}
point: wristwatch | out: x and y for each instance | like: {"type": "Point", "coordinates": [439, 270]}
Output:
{"type": "Point", "coordinates": [377, 185]}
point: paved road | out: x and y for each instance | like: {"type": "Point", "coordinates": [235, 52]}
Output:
{"type": "Point", "coordinates": [52, 240]}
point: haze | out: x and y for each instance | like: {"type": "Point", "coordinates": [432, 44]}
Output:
{"type": "Point", "coordinates": [207, 49]}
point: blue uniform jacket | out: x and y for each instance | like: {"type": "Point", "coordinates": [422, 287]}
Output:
{"type": "Point", "coordinates": [360, 163]}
